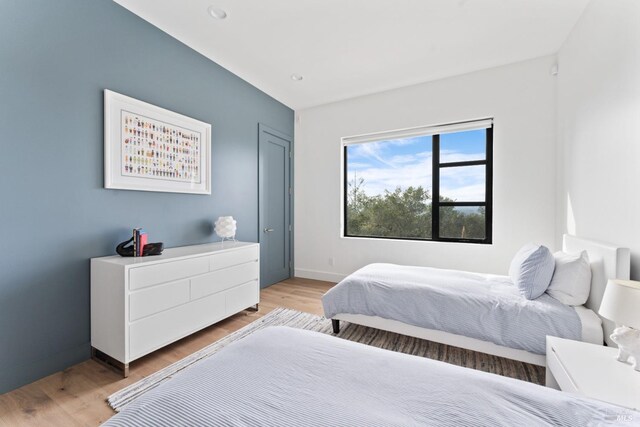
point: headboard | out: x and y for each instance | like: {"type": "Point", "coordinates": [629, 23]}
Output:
{"type": "Point", "coordinates": [607, 262]}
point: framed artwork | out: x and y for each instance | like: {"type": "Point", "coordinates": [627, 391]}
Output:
{"type": "Point", "coordinates": [149, 148]}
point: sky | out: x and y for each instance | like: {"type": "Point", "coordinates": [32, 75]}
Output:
{"type": "Point", "coordinates": [385, 165]}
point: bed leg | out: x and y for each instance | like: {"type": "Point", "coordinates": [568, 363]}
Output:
{"type": "Point", "coordinates": [336, 325]}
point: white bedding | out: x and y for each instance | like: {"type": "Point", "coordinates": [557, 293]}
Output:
{"type": "Point", "coordinates": [591, 325]}
{"type": "Point", "coordinates": [481, 306]}
{"type": "Point", "coordinates": [290, 377]}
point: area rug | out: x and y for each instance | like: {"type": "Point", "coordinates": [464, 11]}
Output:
{"type": "Point", "coordinates": [352, 332]}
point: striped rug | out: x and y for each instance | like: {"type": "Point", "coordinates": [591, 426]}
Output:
{"type": "Point", "coordinates": [352, 332]}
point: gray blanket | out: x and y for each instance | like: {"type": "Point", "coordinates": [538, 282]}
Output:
{"type": "Point", "coordinates": [289, 377]}
{"type": "Point", "coordinates": [482, 306]}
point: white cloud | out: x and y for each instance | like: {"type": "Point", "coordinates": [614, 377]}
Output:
{"type": "Point", "coordinates": [469, 193]}
{"type": "Point", "coordinates": [406, 170]}
{"type": "Point", "coordinates": [465, 183]}
{"type": "Point", "coordinates": [358, 165]}
{"type": "Point", "coordinates": [402, 159]}
{"type": "Point", "coordinates": [371, 150]}
{"type": "Point", "coordinates": [379, 179]}
{"type": "Point", "coordinates": [450, 156]}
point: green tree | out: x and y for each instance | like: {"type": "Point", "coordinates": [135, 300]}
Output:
{"type": "Point", "coordinates": [357, 200]}
{"type": "Point", "coordinates": [462, 223]}
{"type": "Point", "coordinates": [407, 213]}
{"type": "Point", "coordinates": [399, 214]}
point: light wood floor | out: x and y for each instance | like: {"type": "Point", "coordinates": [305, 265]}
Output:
{"type": "Point", "coordinates": [76, 396]}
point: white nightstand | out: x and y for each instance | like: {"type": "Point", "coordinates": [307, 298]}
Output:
{"type": "Point", "coordinates": [591, 370]}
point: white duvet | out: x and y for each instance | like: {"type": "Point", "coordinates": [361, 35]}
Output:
{"type": "Point", "coordinates": [482, 306]}
{"type": "Point", "coordinates": [290, 377]}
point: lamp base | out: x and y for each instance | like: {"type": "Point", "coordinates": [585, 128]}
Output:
{"type": "Point", "coordinates": [628, 341]}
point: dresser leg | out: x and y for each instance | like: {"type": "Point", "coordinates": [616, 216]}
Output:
{"type": "Point", "coordinates": [254, 307]}
{"type": "Point", "coordinates": [109, 361]}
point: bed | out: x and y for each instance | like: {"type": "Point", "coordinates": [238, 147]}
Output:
{"type": "Point", "coordinates": [293, 377]}
{"type": "Point", "coordinates": [480, 312]}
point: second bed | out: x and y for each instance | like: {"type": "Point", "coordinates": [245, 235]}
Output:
{"type": "Point", "coordinates": [480, 312]}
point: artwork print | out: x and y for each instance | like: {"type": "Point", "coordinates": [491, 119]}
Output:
{"type": "Point", "coordinates": [150, 148]}
{"type": "Point", "coordinates": [158, 150]}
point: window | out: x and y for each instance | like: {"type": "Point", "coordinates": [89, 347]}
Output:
{"type": "Point", "coordinates": [427, 183]}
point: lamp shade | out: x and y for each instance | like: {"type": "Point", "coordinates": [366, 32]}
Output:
{"type": "Point", "coordinates": [225, 227]}
{"type": "Point", "coordinates": [621, 302]}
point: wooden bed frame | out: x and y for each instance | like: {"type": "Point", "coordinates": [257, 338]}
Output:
{"type": "Point", "coordinates": [607, 261]}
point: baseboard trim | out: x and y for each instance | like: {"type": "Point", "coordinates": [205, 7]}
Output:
{"type": "Point", "coordinates": [319, 275]}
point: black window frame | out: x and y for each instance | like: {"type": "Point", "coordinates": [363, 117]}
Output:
{"type": "Point", "coordinates": [437, 165]}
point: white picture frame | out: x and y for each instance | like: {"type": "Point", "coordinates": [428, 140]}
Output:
{"type": "Point", "coordinates": [148, 148]}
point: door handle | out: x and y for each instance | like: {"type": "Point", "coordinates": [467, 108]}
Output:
{"type": "Point", "coordinates": [268, 230]}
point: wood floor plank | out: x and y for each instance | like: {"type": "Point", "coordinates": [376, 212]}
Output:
{"type": "Point", "coordinates": [30, 405]}
{"type": "Point", "coordinates": [75, 392]}
{"type": "Point", "coordinates": [77, 396]}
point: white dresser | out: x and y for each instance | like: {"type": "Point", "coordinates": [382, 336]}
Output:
{"type": "Point", "coordinates": [141, 304]}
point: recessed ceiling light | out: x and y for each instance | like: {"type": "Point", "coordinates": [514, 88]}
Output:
{"type": "Point", "coordinates": [296, 77]}
{"type": "Point", "coordinates": [216, 12]}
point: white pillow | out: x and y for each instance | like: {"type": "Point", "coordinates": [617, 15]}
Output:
{"type": "Point", "coordinates": [531, 270]}
{"type": "Point", "coordinates": [571, 282]}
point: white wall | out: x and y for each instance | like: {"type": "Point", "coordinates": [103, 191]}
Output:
{"type": "Point", "coordinates": [599, 126]}
{"type": "Point", "coordinates": [522, 99]}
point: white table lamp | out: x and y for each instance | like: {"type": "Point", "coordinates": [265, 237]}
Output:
{"type": "Point", "coordinates": [621, 304]}
{"type": "Point", "coordinates": [225, 227]}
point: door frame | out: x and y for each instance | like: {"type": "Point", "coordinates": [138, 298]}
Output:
{"type": "Point", "coordinates": [262, 128]}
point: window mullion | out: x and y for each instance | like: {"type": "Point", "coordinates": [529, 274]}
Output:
{"type": "Point", "coordinates": [435, 186]}
{"type": "Point", "coordinates": [488, 194]}
{"type": "Point", "coordinates": [345, 192]}
{"type": "Point", "coordinates": [464, 163]}
{"type": "Point", "coordinates": [454, 204]}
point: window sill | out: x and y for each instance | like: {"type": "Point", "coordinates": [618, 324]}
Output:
{"type": "Point", "coordinates": [397, 239]}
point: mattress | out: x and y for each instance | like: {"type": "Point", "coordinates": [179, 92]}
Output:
{"type": "Point", "coordinates": [482, 306]}
{"type": "Point", "coordinates": [291, 377]}
{"type": "Point", "coordinates": [591, 325]}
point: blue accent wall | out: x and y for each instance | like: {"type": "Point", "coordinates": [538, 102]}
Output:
{"type": "Point", "coordinates": [56, 57]}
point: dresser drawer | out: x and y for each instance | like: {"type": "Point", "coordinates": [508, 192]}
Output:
{"type": "Point", "coordinates": [222, 279]}
{"type": "Point", "coordinates": [153, 332]}
{"type": "Point", "coordinates": [241, 297]}
{"type": "Point", "coordinates": [239, 256]}
{"type": "Point", "coordinates": [142, 277]}
{"type": "Point", "coordinates": [157, 298]}
{"type": "Point", "coordinates": [140, 305]}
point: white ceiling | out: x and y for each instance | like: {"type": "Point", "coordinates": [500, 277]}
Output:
{"type": "Point", "coordinates": [348, 48]}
